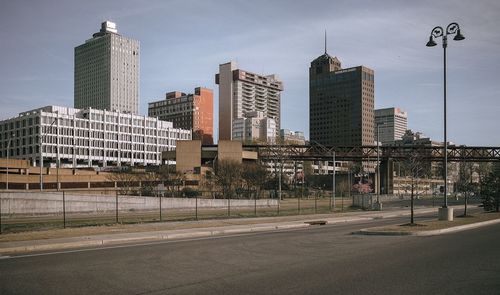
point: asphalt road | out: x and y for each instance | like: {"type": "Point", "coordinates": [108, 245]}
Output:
{"type": "Point", "coordinates": [319, 260]}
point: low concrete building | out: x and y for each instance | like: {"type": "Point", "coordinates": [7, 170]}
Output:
{"type": "Point", "coordinates": [191, 156]}
{"type": "Point", "coordinates": [87, 137]}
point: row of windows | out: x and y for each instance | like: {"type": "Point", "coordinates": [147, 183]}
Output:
{"type": "Point", "coordinates": [19, 123]}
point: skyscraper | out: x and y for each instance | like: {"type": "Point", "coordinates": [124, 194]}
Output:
{"type": "Point", "coordinates": [188, 111]}
{"type": "Point", "coordinates": [393, 122]}
{"type": "Point", "coordinates": [341, 103]}
{"type": "Point", "coordinates": [107, 72]}
{"type": "Point", "coordinates": [241, 92]}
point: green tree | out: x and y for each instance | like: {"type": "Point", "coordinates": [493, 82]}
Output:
{"type": "Point", "coordinates": [490, 191]}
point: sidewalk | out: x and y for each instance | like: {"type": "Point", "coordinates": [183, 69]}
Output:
{"type": "Point", "coordinates": [113, 235]}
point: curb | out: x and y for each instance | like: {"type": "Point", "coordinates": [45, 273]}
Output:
{"type": "Point", "coordinates": [368, 232]}
{"type": "Point", "coordinates": [183, 234]}
{"type": "Point", "coordinates": [457, 228]}
{"type": "Point", "coordinates": [152, 237]}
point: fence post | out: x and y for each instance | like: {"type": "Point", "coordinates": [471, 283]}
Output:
{"type": "Point", "coordinates": [0, 214]}
{"type": "Point", "coordinates": [116, 206]}
{"type": "Point", "coordinates": [196, 208]}
{"type": "Point", "coordinates": [228, 206]}
{"type": "Point", "coordinates": [278, 206]}
{"type": "Point", "coordinates": [342, 202]}
{"type": "Point", "coordinates": [315, 204]}
{"type": "Point", "coordinates": [255, 205]}
{"type": "Point", "coordinates": [330, 203]}
{"type": "Point", "coordinates": [298, 204]}
{"type": "Point", "coordinates": [64, 210]}
{"type": "Point", "coordinates": [160, 210]}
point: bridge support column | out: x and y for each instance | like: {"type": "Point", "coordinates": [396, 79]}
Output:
{"type": "Point", "coordinates": [386, 176]}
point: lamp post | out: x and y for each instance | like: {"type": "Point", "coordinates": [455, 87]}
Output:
{"type": "Point", "coordinates": [378, 163]}
{"type": "Point", "coordinates": [7, 173]}
{"type": "Point", "coordinates": [57, 149]}
{"type": "Point", "coordinates": [41, 151]}
{"type": "Point", "coordinates": [333, 178]}
{"type": "Point", "coordinates": [445, 213]}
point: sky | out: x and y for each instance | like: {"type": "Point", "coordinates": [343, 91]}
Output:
{"type": "Point", "coordinates": [183, 43]}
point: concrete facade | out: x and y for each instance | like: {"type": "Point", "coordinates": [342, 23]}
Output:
{"type": "Point", "coordinates": [188, 156]}
{"type": "Point", "coordinates": [392, 122]}
{"type": "Point", "coordinates": [241, 92]}
{"type": "Point", "coordinates": [23, 204]}
{"type": "Point", "coordinates": [254, 128]}
{"type": "Point", "coordinates": [230, 150]}
{"type": "Point", "coordinates": [192, 156]}
{"type": "Point", "coordinates": [107, 72]}
{"type": "Point", "coordinates": [86, 138]}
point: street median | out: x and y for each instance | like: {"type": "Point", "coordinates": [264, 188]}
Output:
{"type": "Point", "coordinates": [434, 227]}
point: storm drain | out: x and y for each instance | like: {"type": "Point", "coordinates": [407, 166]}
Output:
{"type": "Point", "coordinates": [316, 222]}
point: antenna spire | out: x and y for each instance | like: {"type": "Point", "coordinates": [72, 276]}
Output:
{"type": "Point", "coordinates": [325, 41]}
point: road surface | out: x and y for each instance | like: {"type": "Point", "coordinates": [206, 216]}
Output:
{"type": "Point", "coordinates": [317, 260]}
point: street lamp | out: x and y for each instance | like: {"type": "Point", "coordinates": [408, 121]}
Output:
{"type": "Point", "coordinates": [333, 178]}
{"type": "Point", "coordinates": [8, 153]}
{"type": "Point", "coordinates": [58, 160]}
{"type": "Point", "coordinates": [438, 31]}
{"type": "Point", "coordinates": [378, 163]}
{"type": "Point", "coordinates": [41, 151]}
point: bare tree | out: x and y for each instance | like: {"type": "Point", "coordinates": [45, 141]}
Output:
{"type": "Point", "coordinates": [344, 186]}
{"type": "Point", "coordinates": [125, 181]}
{"type": "Point", "coordinates": [464, 182]}
{"type": "Point", "coordinates": [171, 179]}
{"type": "Point", "coordinates": [149, 181]}
{"type": "Point", "coordinates": [254, 176]}
{"type": "Point", "coordinates": [415, 169]}
{"type": "Point", "coordinates": [228, 176]}
{"type": "Point", "coordinates": [208, 182]}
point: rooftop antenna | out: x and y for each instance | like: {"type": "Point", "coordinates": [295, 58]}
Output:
{"type": "Point", "coordinates": [325, 41]}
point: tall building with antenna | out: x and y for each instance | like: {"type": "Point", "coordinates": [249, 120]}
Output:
{"type": "Point", "coordinates": [341, 103]}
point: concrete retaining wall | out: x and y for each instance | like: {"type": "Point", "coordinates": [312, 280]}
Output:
{"type": "Point", "coordinates": [363, 201]}
{"type": "Point", "coordinates": [52, 203]}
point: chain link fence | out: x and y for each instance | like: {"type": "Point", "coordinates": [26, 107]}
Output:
{"type": "Point", "coordinates": [24, 211]}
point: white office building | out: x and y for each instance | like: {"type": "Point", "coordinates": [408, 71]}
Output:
{"type": "Point", "coordinates": [254, 128]}
{"type": "Point", "coordinates": [107, 72]}
{"type": "Point", "coordinates": [87, 137]}
{"type": "Point", "coordinates": [392, 122]}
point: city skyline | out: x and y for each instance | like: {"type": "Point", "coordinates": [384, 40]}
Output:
{"type": "Point", "coordinates": [388, 37]}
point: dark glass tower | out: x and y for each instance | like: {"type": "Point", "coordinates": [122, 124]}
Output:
{"type": "Point", "coordinates": [341, 103]}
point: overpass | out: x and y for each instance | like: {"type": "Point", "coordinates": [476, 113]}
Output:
{"type": "Point", "coordinates": [387, 154]}
{"type": "Point", "coordinates": [369, 153]}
